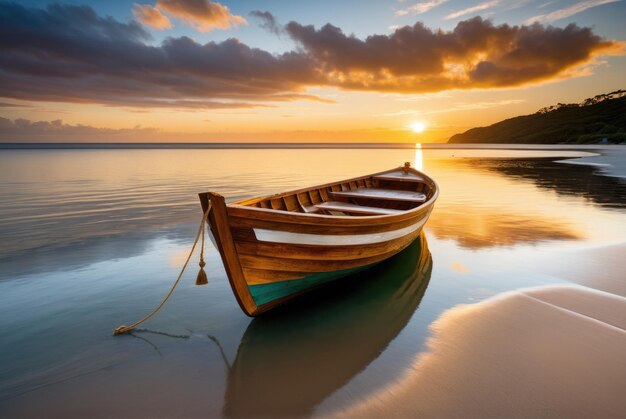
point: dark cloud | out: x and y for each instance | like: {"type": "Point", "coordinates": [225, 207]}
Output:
{"type": "Point", "coordinates": [268, 21]}
{"type": "Point", "coordinates": [70, 54]}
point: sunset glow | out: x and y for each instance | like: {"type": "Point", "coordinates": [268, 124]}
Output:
{"type": "Point", "coordinates": [212, 71]}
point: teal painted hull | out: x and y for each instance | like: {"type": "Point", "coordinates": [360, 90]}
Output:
{"type": "Point", "coordinates": [266, 293]}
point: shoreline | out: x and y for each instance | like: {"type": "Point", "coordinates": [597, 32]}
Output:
{"type": "Point", "coordinates": [562, 356]}
{"type": "Point", "coordinates": [613, 164]}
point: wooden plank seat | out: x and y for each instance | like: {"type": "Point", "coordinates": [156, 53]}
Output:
{"type": "Point", "coordinates": [384, 194]}
{"type": "Point", "coordinates": [400, 176]}
{"type": "Point", "coordinates": [355, 209]}
{"type": "Point", "coordinates": [309, 208]}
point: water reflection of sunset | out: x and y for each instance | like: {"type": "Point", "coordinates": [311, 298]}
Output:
{"type": "Point", "coordinates": [475, 207]}
{"type": "Point", "coordinates": [419, 158]}
{"type": "Point", "coordinates": [497, 227]}
{"type": "Point", "coordinates": [478, 210]}
{"type": "Point", "coordinates": [104, 228]}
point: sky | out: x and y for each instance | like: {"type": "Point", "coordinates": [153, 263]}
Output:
{"type": "Point", "coordinates": [296, 71]}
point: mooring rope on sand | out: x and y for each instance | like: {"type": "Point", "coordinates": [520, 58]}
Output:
{"type": "Point", "coordinates": [200, 280]}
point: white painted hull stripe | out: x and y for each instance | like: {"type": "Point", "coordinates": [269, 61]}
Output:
{"type": "Point", "coordinates": [335, 240]}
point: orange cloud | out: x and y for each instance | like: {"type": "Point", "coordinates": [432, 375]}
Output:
{"type": "Point", "coordinates": [150, 16]}
{"type": "Point", "coordinates": [204, 15]}
{"type": "Point", "coordinates": [476, 53]}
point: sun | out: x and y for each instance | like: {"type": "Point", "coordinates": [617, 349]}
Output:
{"type": "Point", "coordinates": [418, 126]}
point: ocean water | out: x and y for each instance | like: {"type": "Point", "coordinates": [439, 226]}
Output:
{"type": "Point", "coordinates": [93, 238]}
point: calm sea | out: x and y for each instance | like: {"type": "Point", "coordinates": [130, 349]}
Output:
{"type": "Point", "coordinates": [93, 238]}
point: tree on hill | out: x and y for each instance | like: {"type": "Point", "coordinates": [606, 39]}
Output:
{"type": "Point", "coordinates": [587, 102]}
{"type": "Point", "coordinates": [600, 119]}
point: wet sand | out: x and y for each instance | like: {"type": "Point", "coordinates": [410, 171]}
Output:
{"type": "Point", "coordinates": [610, 164]}
{"type": "Point", "coordinates": [554, 351]}
{"type": "Point", "coordinates": [600, 267]}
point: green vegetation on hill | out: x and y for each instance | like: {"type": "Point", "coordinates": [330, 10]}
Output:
{"type": "Point", "coordinates": [601, 119]}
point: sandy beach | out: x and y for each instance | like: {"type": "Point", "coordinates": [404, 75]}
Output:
{"type": "Point", "coordinates": [553, 351]}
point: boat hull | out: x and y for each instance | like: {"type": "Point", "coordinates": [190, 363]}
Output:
{"type": "Point", "coordinates": [272, 256]}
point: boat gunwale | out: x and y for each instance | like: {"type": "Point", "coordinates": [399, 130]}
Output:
{"type": "Point", "coordinates": [275, 214]}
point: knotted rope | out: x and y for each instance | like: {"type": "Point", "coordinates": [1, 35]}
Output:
{"type": "Point", "coordinates": [201, 279]}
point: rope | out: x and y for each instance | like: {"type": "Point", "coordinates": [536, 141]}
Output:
{"type": "Point", "coordinates": [125, 329]}
{"type": "Point", "coordinates": [202, 278]}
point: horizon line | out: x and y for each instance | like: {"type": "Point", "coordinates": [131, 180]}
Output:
{"type": "Point", "coordinates": [286, 145]}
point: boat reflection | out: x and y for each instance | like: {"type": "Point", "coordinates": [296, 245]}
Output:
{"type": "Point", "coordinates": [291, 359]}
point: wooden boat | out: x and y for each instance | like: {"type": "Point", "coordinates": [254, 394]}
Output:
{"type": "Point", "coordinates": [329, 338]}
{"type": "Point", "coordinates": [279, 246]}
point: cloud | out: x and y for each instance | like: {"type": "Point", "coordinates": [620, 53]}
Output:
{"type": "Point", "coordinates": [70, 54]}
{"type": "Point", "coordinates": [420, 7]}
{"type": "Point", "coordinates": [474, 54]}
{"type": "Point", "coordinates": [268, 21]}
{"type": "Point", "coordinates": [569, 11]}
{"type": "Point", "coordinates": [12, 105]}
{"type": "Point", "coordinates": [27, 130]}
{"type": "Point", "coordinates": [457, 107]}
{"type": "Point", "coordinates": [476, 105]}
{"type": "Point", "coordinates": [479, 7]}
{"type": "Point", "coordinates": [204, 15]}
{"type": "Point", "coordinates": [150, 16]}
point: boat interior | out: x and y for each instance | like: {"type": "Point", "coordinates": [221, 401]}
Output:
{"type": "Point", "coordinates": [385, 193]}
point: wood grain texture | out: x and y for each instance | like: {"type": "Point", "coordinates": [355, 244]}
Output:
{"type": "Point", "coordinates": [390, 222]}
{"type": "Point", "coordinates": [318, 252]}
{"type": "Point", "coordinates": [250, 261]}
{"type": "Point", "coordinates": [218, 221]}
{"type": "Point", "coordinates": [303, 265]}
{"type": "Point", "coordinates": [382, 194]}
{"type": "Point", "coordinates": [265, 276]}
{"type": "Point", "coordinates": [349, 208]}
